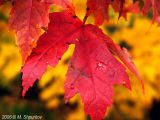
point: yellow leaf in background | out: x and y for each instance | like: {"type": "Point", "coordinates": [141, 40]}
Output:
{"type": "Point", "coordinates": [80, 8]}
{"type": "Point", "coordinates": [79, 113]}
{"type": "Point", "coordinates": [144, 41]}
{"type": "Point", "coordinates": [10, 60]}
{"type": "Point", "coordinates": [53, 103]}
{"type": "Point", "coordinates": [6, 8]}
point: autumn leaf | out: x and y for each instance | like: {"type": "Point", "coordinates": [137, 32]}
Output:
{"type": "Point", "coordinates": [118, 6]}
{"type": "Point", "coordinates": [155, 4]}
{"type": "Point", "coordinates": [26, 19]}
{"type": "Point", "coordinates": [92, 72]}
{"type": "Point", "coordinates": [123, 10]}
{"type": "Point", "coordinates": [100, 9]}
{"type": "Point", "coordinates": [93, 69]}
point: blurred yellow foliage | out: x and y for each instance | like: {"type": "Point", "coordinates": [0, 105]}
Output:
{"type": "Point", "coordinates": [79, 113]}
{"type": "Point", "coordinates": [80, 8]}
{"type": "Point", "coordinates": [144, 40]}
{"type": "Point", "coordinates": [10, 59]}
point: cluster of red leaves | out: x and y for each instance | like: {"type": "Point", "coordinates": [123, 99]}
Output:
{"type": "Point", "coordinates": [26, 19]}
{"type": "Point", "coordinates": [100, 8]}
{"type": "Point", "coordinates": [93, 69]}
{"type": "Point", "coordinates": [155, 4]}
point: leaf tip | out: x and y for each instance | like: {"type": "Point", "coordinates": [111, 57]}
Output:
{"type": "Point", "coordinates": [66, 101]}
{"type": "Point", "coordinates": [23, 93]}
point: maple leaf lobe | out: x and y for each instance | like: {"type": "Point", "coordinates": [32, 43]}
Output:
{"type": "Point", "coordinates": [51, 46]}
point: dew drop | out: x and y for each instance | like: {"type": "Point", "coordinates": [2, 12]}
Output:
{"type": "Point", "coordinates": [47, 62]}
{"type": "Point", "coordinates": [101, 66]}
{"type": "Point", "coordinates": [72, 86]}
{"type": "Point", "coordinates": [32, 40]}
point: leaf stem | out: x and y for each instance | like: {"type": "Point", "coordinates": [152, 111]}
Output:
{"type": "Point", "coordinates": [85, 18]}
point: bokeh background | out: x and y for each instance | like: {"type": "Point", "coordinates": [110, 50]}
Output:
{"type": "Point", "coordinates": [46, 97]}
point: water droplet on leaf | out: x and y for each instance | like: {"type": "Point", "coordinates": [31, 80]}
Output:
{"type": "Point", "coordinates": [32, 40]}
{"type": "Point", "coordinates": [101, 66]}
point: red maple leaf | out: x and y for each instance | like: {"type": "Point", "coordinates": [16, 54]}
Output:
{"type": "Point", "coordinates": [27, 16]}
{"type": "Point", "coordinates": [156, 9]}
{"type": "Point", "coordinates": [93, 69]}
{"type": "Point", "coordinates": [119, 6]}
{"type": "Point", "coordinates": [100, 9]}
